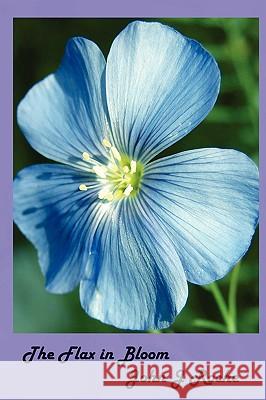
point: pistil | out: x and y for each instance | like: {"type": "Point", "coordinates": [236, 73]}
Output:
{"type": "Point", "coordinates": [119, 179]}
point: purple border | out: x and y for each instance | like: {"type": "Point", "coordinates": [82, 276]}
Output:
{"type": "Point", "coordinates": [180, 346]}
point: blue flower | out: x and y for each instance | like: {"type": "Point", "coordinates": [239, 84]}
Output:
{"type": "Point", "coordinates": [131, 231]}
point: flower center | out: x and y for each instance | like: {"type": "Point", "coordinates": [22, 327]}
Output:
{"type": "Point", "coordinates": [120, 177]}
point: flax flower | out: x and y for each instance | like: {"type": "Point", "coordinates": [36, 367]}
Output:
{"type": "Point", "coordinates": [131, 231]}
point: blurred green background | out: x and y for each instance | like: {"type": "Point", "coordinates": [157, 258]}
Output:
{"type": "Point", "coordinates": [233, 123]}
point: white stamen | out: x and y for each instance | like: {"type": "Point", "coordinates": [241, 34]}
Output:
{"type": "Point", "coordinates": [128, 190]}
{"type": "Point", "coordinates": [116, 153]}
{"type": "Point", "coordinates": [102, 193]}
{"type": "Point", "coordinates": [100, 171]}
{"type": "Point", "coordinates": [133, 167]}
{"type": "Point", "coordinates": [126, 169]}
{"type": "Point", "coordinates": [113, 167]}
{"type": "Point", "coordinates": [86, 156]}
{"type": "Point", "coordinates": [105, 194]}
{"type": "Point", "coordinates": [83, 187]}
{"type": "Point", "coordinates": [106, 143]}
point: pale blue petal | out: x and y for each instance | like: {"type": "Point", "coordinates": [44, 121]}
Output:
{"type": "Point", "coordinates": [136, 280]}
{"type": "Point", "coordinates": [208, 202]}
{"type": "Point", "coordinates": [56, 217]}
{"type": "Point", "coordinates": [160, 85]}
{"type": "Point", "coordinates": [63, 115]}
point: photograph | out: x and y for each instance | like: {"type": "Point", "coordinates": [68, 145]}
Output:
{"type": "Point", "coordinates": [136, 183]}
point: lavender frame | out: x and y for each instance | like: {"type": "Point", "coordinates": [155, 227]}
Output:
{"type": "Point", "coordinates": [180, 346]}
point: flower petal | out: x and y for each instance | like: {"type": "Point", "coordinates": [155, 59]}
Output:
{"type": "Point", "coordinates": [160, 85]}
{"type": "Point", "coordinates": [208, 201]}
{"type": "Point", "coordinates": [63, 115]}
{"type": "Point", "coordinates": [136, 280]}
{"type": "Point", "coordinates": [55, 216]}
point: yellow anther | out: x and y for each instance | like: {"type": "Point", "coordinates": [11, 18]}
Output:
{"type": "Point", "coordinates": [128, 190]}
{"type": "Point", "coordinates": [100, 171]}
{"type": "Point", "coordinates": [116, 153]}
{"type": "Point", "coordinates": [126, 169]}
{"type": "Point", "coordinates": [104, 194]}
{"type": "Point", "coordinates": [109, 196]}
{"type": "Point", "coordinates": [86, 156]}
{"type": "Point", "coordinates": [106, 143]}
{"type": "Point", "coordinates": [83, 187]}
{"type": "Point", "coordinates": [133, 167]}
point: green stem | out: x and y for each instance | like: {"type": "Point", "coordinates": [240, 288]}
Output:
{"type": "Point", "coordinates": [157, 331]}
{"type": "Point", "coordinates": [217, 294]}
{"type": "Point", "coordinates": [232, 306]}
{"type": "Point", "coordinates": [229, 313]}
{"type": "Point", "coordinates": [205, 323]}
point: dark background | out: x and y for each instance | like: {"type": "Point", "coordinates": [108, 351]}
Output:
{"type": "Point", "coordinates": [233, 123]}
